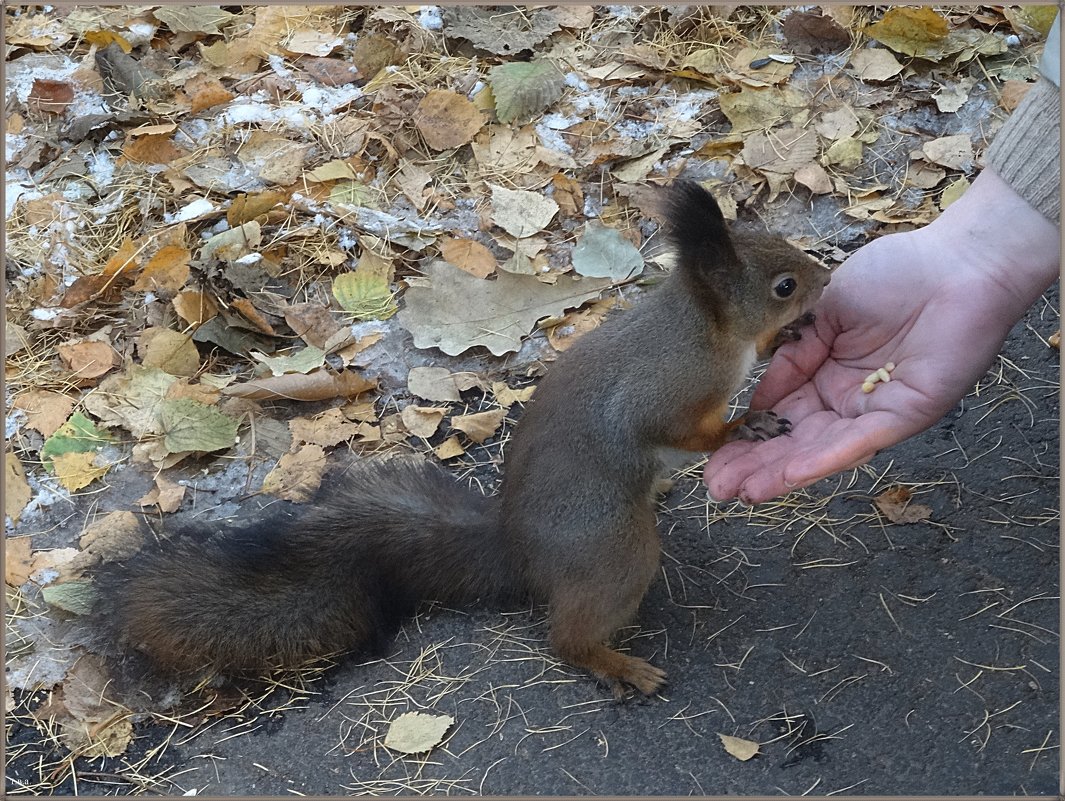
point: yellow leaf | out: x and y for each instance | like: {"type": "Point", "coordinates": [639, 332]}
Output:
{"type": "Point", "coordinates": [76, 470]}
{"type": "Point", "coordinates": [739, 748]}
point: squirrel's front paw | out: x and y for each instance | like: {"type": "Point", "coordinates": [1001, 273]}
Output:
{"type": "Point", "coordinates": [759, 426]}
{"type": "Point", "coordinates": [792, 332]}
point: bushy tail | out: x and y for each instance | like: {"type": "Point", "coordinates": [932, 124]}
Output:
{"type": "Point", "coordinates": [337, 577]}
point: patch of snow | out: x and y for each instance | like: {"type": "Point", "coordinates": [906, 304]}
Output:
{"type": "Point", "coordinates": [326, 99]}
{"type": "Point", "coordinates": [574, 81]}
{"type": "Point", "coordinates": [250, 258]}
{"type": "Point", "coordinates": [592, 208]}
{"type": "Point", "coordinates": [45, 314]}
{"type": "Point", "coordinates": [591, 101]}
{"type": "Point", "coordinates": [102, 168]}
{"type": "Point", "coordinates": [140, 33]}
{"type": "Point", "coordinates": [429, 17]}
{"type": "Point", "coordinates": [277, 64]}
{"type": "Point", "coordinates": [13, 143]}
{"type": "Point", "coordinates": [190, 211]}
{"type": "Point", "coordinates": [13, 422]}
{"type": "Point", "coordinates": [15, 191]}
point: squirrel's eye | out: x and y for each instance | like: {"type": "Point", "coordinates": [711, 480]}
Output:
{"type": "Point", "coordinates": [785, 286]}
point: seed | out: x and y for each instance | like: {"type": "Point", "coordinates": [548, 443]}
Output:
{"type": "Point", "coordinates": [868, 387]}
{"type": "Point", "coordinates": [872, 378]}
{"type": "Point", "coordinates": [883, 373]}
{"type": "Point", "coordinates": [889, 366]}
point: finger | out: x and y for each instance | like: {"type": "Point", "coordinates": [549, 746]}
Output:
{"type": "Point", "coordinates": [841, 446]}
{"type": "Point", "coordinates": [793, 365]}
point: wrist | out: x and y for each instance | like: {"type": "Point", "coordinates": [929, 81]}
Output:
{"type": "Point", "coordinates": [992, 235]}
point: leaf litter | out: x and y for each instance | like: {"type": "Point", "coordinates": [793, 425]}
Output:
{"type": "Point", "coordinates": [245, 190]}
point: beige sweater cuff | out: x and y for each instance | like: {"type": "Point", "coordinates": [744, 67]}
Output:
{"type": "Point", "coordinates": [1026, 153]}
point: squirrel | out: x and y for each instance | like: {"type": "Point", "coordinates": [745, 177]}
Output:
{"type": "Point", "coordinates": [573, 525]}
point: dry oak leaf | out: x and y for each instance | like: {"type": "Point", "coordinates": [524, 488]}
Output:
{"type": "Point", "coordinates": [449, 449]}
{"type": "Point", "coordinates": [738, 747]}
{"type": "Point", "coordinates": [298, 475]}
{"type": "Point", "coordinates": [205, 92]}
{"type": "Point", "coordinates": [422, 421]}
{"type": "Point", "coordinates": [447, 120]}
{"type": "Point", "coordinates": [87, 359]}
{"type": "Point", "coordinates": [895, 505]}
{"type": "Point", "coordinates": [520, 212]}
{"type": "Point", "coordinates": [319, 385]}
{"type": "Point", "coordinates": [782, 151]}
{"type": "Point", "coordinates": [469, 255]}
{"type": "Point", "coordinates": [814, 178]}
{"type": "Point", "coordinates": [874, 64]}
{"type": "Point", "coordinates": [49, 96]}
{"type": "Point", "coordinates": [433, 384]}
{"type": "Point", "coordinates": [152, 149]}
{"type": "Point", "coordinates": [954, 152]}
{"type": "Point", "coordinates": [111, 538]}
{"type": "Point", "coordinates": [16, 490]}
{"type": "Point", "coordinates": [457, 312]}
{"type": "Point", "coordinates": [45, 410]}
{"type": "Point", "coordinates": [480, 426]}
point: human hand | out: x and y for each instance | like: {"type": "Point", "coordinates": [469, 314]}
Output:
{"type": "Point", "coordinates": [938, 313]}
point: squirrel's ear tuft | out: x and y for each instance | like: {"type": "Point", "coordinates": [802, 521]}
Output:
{"type": "Point", "coordinates": [698, 229]}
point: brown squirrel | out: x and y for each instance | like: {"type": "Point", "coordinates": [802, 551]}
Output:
{"type": "Point", "coordinates": [573, 527]}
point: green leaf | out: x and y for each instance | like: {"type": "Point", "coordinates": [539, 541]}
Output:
{"type": "Point", "coordinates": [75, 596]}
{"type": "Point", "coordinates": [365, 295]}
{"type": "Point", "coordinates": [189, 425]}
{"type": "Point", "coordinates": [310, 358]}
{"type": "Point", "coordinates": [604, 253]}
{"type": "Point", "coordinates": [523, 89]}
{"type": "Point", "coordinates": [77, 435]}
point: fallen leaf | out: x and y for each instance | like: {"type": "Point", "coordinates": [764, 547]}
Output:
{"type": "Point", "coordinates": [233, 244]}
{"type": "Point", "coordinates": [447, 120]}
{"type": "Point", "coordinates": [738, 747]}
{"type": "Point", "coordinates": [76, 435]}
{"type": "Point", "coordinates": [302, 361]}
{"type": "Point", "coordinates": [194, 19]}
{"type": "Point", "coordinates": [951, 98]}
{"type": "Point", "coordinates": [457, 311]}
{"type": "Point", "coordinates": [152, 149]}
{"type": "Point", "coordinates": [49, 96]}
{"type": "Point", "coordinates": [911, 31]}
{"type": "Point", "coordinates": [952, 192]}
{"type": "Point", "coordinates": [52, 566]}
{"type": "Point", "coordinates": [16, 339]}
{"type": "Point", "coordinates": [45, 411]}
{"type": "Point", "coordinates": [422, 421]}
{"type": "Point", "coordinates": [1031, 18]}
{"type": "Point", "coordinates": [166, 496]}
{"type": "Point", "coordinates": [449, 449]}
{"type": "Point", "coordinates": [194, 307]}
{"type": "Point", "coordinates": [1012, 93]}
{"type": "Point", "coordinates": [171, 351]}
{"type": "Point", "coordinates": [320, 385]}
{"type": "Point", "coordinates": [87, 359]}
{"type": "Point", "coordinates": [298, 475]}
{"type": "Point", "coordinates": [759, 109]}
{"type": "Point", "coordinates": [254, 206]}
{"type": "Point", "coordinates": [314, 323]}
{"type": "Point", "coordinates": [205, 92]}
{"type": "Point", "coordinates": [782, 151]}
{"type": "Point", "coordinates": [417, 732]}
{"type": "Point", "coordinates": [503, 31]}
{"type": "Point", "coordinates": [313, 43]}
{"type": "Point", "coordinates": [480, 426]}
{"type": "Point", "coordinates": [189, 425]}
{"type": "Point", "coordinates": [469, 255]}
{"type": "Point", "coordinates": [17, 552]}
{"type": "Point", "coordinates": [838, 124]}
{"type": "Point", "coordinates": [131, 399]}
{"type": "Point", "coordinates": [252, 315]}
{"type": "Point", "coordinates": [433, 384]}
{"type": "Point", "coordinates": [874, 64]}
{"type": "Point", "coordinates": [895, 504]}
{"type": "Point", "coordinates": [844, 153]}
{"type": "Point", "coordinates": [166, 272]}
{"type": "Point", "coordinates": [523, 89]}
{"type": "Point", "coordinates": [365, 295]}
{"type": "Point", "coordinates": [603, 252]}
{"type": "Point", "coordinates": [76, 471]}
{"type": "Point", "coordinates": [326, 429]}
{"type": "Point", "coordinates": [577, 323]}
{"type": "Point", "coordinates": [954, 152]}
{"type": "Point", "coordinates": [814, 178]}
{"type": "Point", "coordinates": [16, 490]}
{"type": "Point", "coordinates": [923, 175]}
{"type": "Point", "coordinates": [520, 212]}
{"type": "Point", "coordinates": [76, 596]}
{"type": "Point", "coordinates": [506, 396]}
{"type": "Point", "coordinates": [811, 33]}
{"type": "Point", "coordinates": [568, 194]}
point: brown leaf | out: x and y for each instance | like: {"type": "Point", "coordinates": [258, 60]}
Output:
{"type": "Point", "coordinates": [1013, 93]}
{"type": "Point", "coordinates": [331, 71]}
{"type": "Point", "coordinates": [895, 504]}
{"type": "Point", "coordinates": [479, 426]}
{"type": "Point", "coordinates": [205, 92]}
{"type": "Point", "coordinates": [252, 315]}
{"type": "Point", "coordinates": [814, 178]}
{"type": "Point", "coordinates": [433, 384]}
{"type": "Point", "coordinates": [166, 495]}
{"type": "Point", "coordinates": [124, 261]}
{"type": "Point", "coordinates": [811, 33]}
{"type": "Point", "coordinates": [326, 429]}
{"type": "Point", "coordinates": [246, 208]}
{"type": "Point", "coordinates": [87, 359]}
{"type": "Point", "coordinates": [110, 538]}
{"type": "Point", "coordinates": [152, 149]}
{"type": "Point", "coordinates": [17, 556]}
{"type": "Point", "coordinates": [51, 97]}
{"type": "Point", "coordinates": [577, 323]}
{"type": "Point", "coordinates": [171, 351]}
{"type": "Point", "coordinates": [45, 411]}
{"type": "Point", "coordinates": [447, 119]}
{"type": "Point", "coordinates": [166, 272]}
{"type": "Point", "coordinates": [16, 490]}
{"type": "Point", "coordinates": [954, 152]}
{"type": "Point", "coordinates": [568, 194]}
{"type": "Point", "coordinates": [506, 396]}
{"type": "Point", "coordinates": [313, 322]}
{"type": "Point", "coordinates": [469, 255]}
{"type": "Point", "coordinates": [449, 448]}
{"type": "Point", "coordinates": [194, 307]}
{"type": "Point", "coordinates": [422, 421]}
{"type": "Point", "coordinates": [297, 475]}
{"type": "Point", "coordinates": [52, 565]}
{"type": "Point", "coordinates": [319, 385]}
